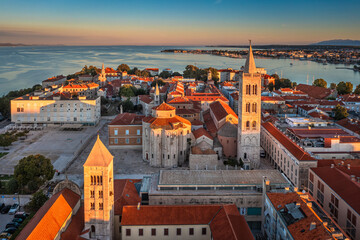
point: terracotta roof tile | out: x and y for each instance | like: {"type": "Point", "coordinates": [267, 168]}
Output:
{"type": "Point", "coordinates": [125, 193]}
{"type": "Point", "coordinates": [201, 132]}
{"type": "Point", "coordinates": [292, 147]}
{"type": "Point", "coordinates": [164, 107]}
{"type": "Point", "coordinates": [221, 110]}
{"type": "Point", "coordinates": [127, 119]}
{"type": "Point", "coordinates": [314, 91]}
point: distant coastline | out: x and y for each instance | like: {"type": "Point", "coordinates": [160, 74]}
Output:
{"type": "Point", "coordinates": [26, 45]}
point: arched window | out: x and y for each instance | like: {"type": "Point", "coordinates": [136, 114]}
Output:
{"type": "Point", "coordinates": [92, 180]}
{"type": "Point", "coordinates": [245, 155]}
{"type": "Point", "coordinates": [254, 125]}
{"type": "Point", "coordinates": [254, 105]}
{"type": "Point", "coordinates": [98, 180]}
{"type": "Point", "coordinates": [247, 108]}
{"type": "Point", "coordinates": [247, 125]}
{"type": "Point", "coordinates": [254, 89]}
{"type": "Point", "coordinates": [92, 232]}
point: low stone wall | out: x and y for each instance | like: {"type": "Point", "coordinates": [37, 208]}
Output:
{"type": "Point", "coordinates": [203, 161]}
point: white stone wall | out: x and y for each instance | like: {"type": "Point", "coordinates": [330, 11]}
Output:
{"type": "Point", "coordinates": [172, 232]}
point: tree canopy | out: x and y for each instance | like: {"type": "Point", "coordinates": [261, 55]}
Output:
{"type": "Point", "coordinates": [357, 89]}
{"type": "Point", "coordinates": [123, 68]}
{"type": "Point", "coordinates": [340, 112]}
{"type": "Point", "coordinates": [159, 82]}
{"type": "Point", "coordinates": [344, 88]}
{"type": "Point", "coordinates": [33, 170]}
{"type": "Point", "coordinates": [127, 105]}
{"type": "Point", "coordinates": [165, 74]}
{"type": "Point", "coordinates": [138, 72]}
{"type": "Point", "coordinates": [91, 70]}
{"type": "Point", "coordinates": [126, 91]}
{"type": "Point", "coordinates": [320, 83]}
{"type": "Point", "coordinates": [37, 201]}
{"type": "Point", "coordinates": [332, 85]}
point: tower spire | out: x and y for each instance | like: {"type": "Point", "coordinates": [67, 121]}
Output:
{"type": "Point", "coordinates": [250, 66]}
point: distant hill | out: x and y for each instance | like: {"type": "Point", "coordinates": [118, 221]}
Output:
{"type": "Point", "coordinates": [339, 42]}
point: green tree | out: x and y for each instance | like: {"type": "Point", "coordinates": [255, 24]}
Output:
{"type": "Point", "coordinates": [357, 89]}
{"type": "Point", "coordinates": [140, 91]}
{"type": "Point", "coordinates": [344, 88]}
{"type": "Point", "coordinates": [176, 74]}
{"type": "Point", "coordinates": [12, 186]}
{"type": "Point", "coordinates": [126, 91]}
{"type": "Point", "coordinates": [37, 201]}
{"type": "Point", "coordinates": [190, 71]}
{"type": "Point", "coordinates": [320, 83]}
{"type": "Point", "coordinates": [214, 73]}
{"type": "Point", "coordinates": [340, 112]}
{"type": "Point", "coordinates": [91, 70]}
{"type": "Point", "coordinates": [332, 85]}
{"type": "Point", "coordinates": [164, 74]}
{"type": "Point", "coordinates": [127, 105]}
{"type": "Point", "coordinates": [6, 140]}
{"type": "Point", "coordinates": [271, 86]}
{"type": "Point", "coordinates": [275, 76]}
{"type": "Point", "coordinates": [33, 168]}
{"type": "Point", "coordinates": [159, 82]}
{"type": "Point", "coordinates": [123, 68]}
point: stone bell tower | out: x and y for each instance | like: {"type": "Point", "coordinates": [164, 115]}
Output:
{"type": "Point", "coordinates": [99, 192]}
{"type": "Point", "coordinates": [248, 149]}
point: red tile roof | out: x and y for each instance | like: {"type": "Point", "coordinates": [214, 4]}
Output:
{"type": "Point", "coordinates": [352, 125]}
{"type": "Point", "coordinates": [76, 226]}
{"type": "Point", "coordinates": [272, 99]}
{"type": "Point", "coordinates": [197, 123]}
{"type": "Point", "coordinates": [209, 122]}
{"type": "Point", "coordinates": [318, 132]}
{"type": "Point", "coordinates": [338, 179]}
{"type": "Point", "coordinates": [127, 119]}
{"type": "Point", "coordinates": [221, 110]}
{"type": "Point", "coordinates": [201, 132]}
{"type": "Point", "coordinates": [164, 107]}
{"type": "Point", "coordinates": [301, 228]}
{"type": "Point", "coordinates": [125, 193]}
{"type": "Point", "coordinates": [166, 123]}
{"type": "Point", "coordinates": [292, 147]}
{"type": "Point", "coordinates": [224, 220]}
{"type": "Point", "coordinates": [145, 98]}
{"type": "Point", "coordinates": [314, 91]}
{"type": "Point", "coordinates": [49, 219]}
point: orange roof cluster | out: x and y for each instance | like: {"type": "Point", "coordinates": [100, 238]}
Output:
{"type": "Point", "coordinates": [166, 123]}
{"type": "Point", "coordinates": [164, 107]}
{"type": "Point", "coordinates": [54, 79]}
{"type": "Point", "coordinates": [127, 119]}
{"type": "Point", "coordinates": [179, 100]}
{"type": "Point", "coordinates": [201, 132]}
{"type": "Point", "coordinates": [314, 91]}
{"type": "Point", "coordinates": [225, 220]}
{"type": "Point", "coordinates": [50, 218]}
{"type": "Point", "coordinates": [221, 110]}
{"type": "Point", "coordinates": [300, 229]}
{"type": "Point", "coordinates": [99, 155]}
{"type": "Point", "coordinates": [85, 86]}
{"type": "Point", "coordinates": [292, 147]}
{"type": "Point", "coordinates": [110, 70]}
{"type": "Point", "coordinates": [352, 125]}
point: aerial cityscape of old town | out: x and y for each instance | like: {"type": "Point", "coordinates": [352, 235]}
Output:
{"type": "Point", "coordinates": [143, 132]}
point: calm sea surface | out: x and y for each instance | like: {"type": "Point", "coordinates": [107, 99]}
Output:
{"type": "Point", "coordinates": [22, 67]}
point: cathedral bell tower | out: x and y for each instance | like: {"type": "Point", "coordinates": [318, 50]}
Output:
{"type": "Point", "coordinates": [157, 95]}
{"type": "Point", "coordinates": [99, 192]}
{"type": "Point", "coordinates": [248, 148]}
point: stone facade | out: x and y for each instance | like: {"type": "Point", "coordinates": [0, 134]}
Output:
{"type": "Point", "coordinates": [166, 137]}
{"type": "Point", "coordinates": [99, 193]}
{"type": "Point", "coordinates": [249, 114]}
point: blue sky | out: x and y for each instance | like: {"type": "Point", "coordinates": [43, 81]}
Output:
{"type": "Point", "coordinates": [173, 22]}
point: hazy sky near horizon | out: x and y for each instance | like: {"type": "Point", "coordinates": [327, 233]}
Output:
{"type": "Point", "coordinates": [177, 22]}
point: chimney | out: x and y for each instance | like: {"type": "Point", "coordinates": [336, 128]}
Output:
{"type": "Point", "coordinates": [332, 165]}
{"type": "Point", "coordinates": [312, 225]}
{"type": "Point", "coordinates": [348, 166]}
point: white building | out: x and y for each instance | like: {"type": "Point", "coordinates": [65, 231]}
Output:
{"type": "Point", "coordinates": [58, 108]}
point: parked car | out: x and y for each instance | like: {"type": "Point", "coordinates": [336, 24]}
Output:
{"type": "Point", "coordinates": [10, 230]}
{"type": "Point", "coordinates": [2, 206]}
{"type": "Point", "coordinates": [5, 236]}
{"type": "Point", "coordinates": [14, 208]}
{"type": "Point", "coordinates": [18, 220]}
{"type": "Point", "coordinates": [5, 209]}
{"type": "Point", "coordinates": [21, 215]}
{"type": "Point", "coordinates": [12, 224]}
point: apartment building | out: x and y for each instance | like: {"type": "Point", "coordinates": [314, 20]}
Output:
{"type": "Point", "coordinates": [337, 189]}
{"type": "Point", "coordinates": [57, 108]}
{"type": "Point", "coordinates": [286, 155]}
{"type": "Point", "coordinates": [295, 216]}
{"type": "Point", "coordinates": [125, 131]}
